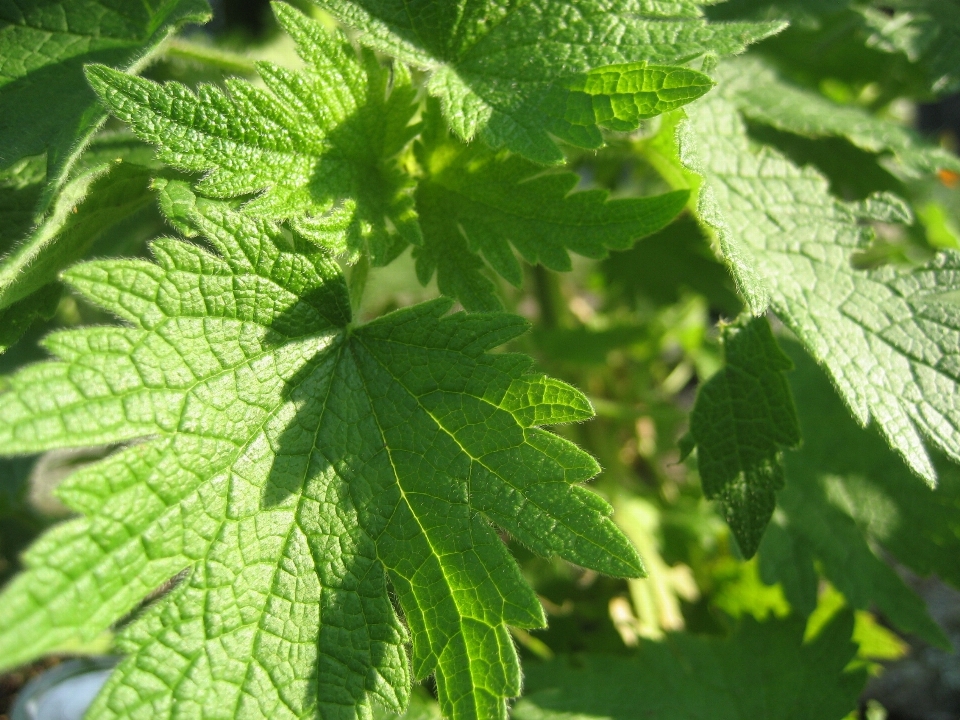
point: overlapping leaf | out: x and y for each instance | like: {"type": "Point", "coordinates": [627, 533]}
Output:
{"type": "Point", "coordinates": [45, 105]}
{"type": "Point", "coordinates": [742, 420]}
{"type": "Point", "coordinates": [847, 497]}
{"type": "Point", "coordinates": [762, 96]}
{"type": "Point", "coordinates": [317, 147]}
{"type": "Point", "coordinates": [888, 336]}
{"type": "Point", "coordinates": [475, 202]}
{"type": "Point", "coordinates": [926, 31]}
{"type": "Point", "coordinates": [761, 672]}
{"type": "Point", "coordinates": [293, 464]}
{"type": "Point", "coordinates": [514, 72]}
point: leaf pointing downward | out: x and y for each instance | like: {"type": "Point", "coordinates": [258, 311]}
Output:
{"type": "Point", "coordinates": [295, 464]}
{"type": "Point", "coordinates": [743, 418]}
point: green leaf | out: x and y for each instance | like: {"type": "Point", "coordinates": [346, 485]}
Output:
{"type": "Point", "coordinates": [742, 419]}
{"type": "Point", "coordinates": [847, 496]}
{"type": "Point", "coordinates": [886, 336]}
{"type": "Point", "coordinates": [761, 672]}
{"type": "Point", "coordinates": [292, 465]}
{"type": "Point", "coordinates": [517, 73]}
{"type": "Point", "coordinates": [764, 97]}
{"type": "Point", "coordinates": [476, 202]}
{"type": "Point", "coordinates": [317, 146]}
{"type": "Point", "coordinates": [661, 267]}
{"type": "Point", "coordinates": [16, 319]}
{"type": "Point", "coordinates": [45, 104]}
{"type": "Point", "coordinates": [926, 31]}
{"type": "Point", "coordinates": [20, 189]}
{"type": "Point", "coordinates": [102, 192]}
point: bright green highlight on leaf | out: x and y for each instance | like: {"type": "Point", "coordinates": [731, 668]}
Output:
{"type": "Point", "coordinates": [888, 337]}
{"type": "Point", "coordinates": [45, 105]}
{"type": "Point", "coordinates": [743, 418]}
{"type": "Point", "coordinates": [474, 202]}
{"type": "Point", "coordinates": [317, 147]}
{"type": "Point", "coordinates": [295, 464]}
{"type": "Point", "coordinates": [499, 67]}
{"type": "Point", "coordinates": [618, 97]}
{"type": "Point", "coordinates": [763, 671]}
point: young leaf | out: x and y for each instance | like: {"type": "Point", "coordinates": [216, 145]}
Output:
{"type": "Point", "coordinates": [474, 201]}
{"type": "Point", "coordinates": [886, 336]}
{"type": "Point", "coordinates": [511, 71]}
{"type": "Point", "coordinates": [848, 495]}
{"type": "Point", "coordinates": [742, 419]}
{"type": "Point", "coordinates": [318, 145]}
{"type": "Point", "coordinates": [762, 96]}
{"type": "Point", "coordinates": [45, 105]}
{"type": "Point", "coordinates": [761, 672]}
{"type": "Point", "coordinates": [294, 463]}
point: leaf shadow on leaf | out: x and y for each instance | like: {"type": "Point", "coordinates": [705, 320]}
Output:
{"type": "Point", "coordinates": [30, 127]}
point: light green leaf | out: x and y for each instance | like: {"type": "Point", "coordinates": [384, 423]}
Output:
{"type": "Point", "coordinates": [847, 496]}
{"type": "Point", "coordinates": [476, 202]}
{"type": "Point", "coordinates": [318, 146]}
{"type": "Point", "coordinates": [764, 97]}
{"type": "Point", "coordinates": [504, 69]}
{"type": "Point", "coordinates": [292, 465]}
{"type": "Point", "coordinates": [45, 104]}
{"type": "Point", "coordinates": [887, 336]}
{"type": "Point", "coordinates": [742, 419]}
{"type": "Point", "coordinates": [761, 672]}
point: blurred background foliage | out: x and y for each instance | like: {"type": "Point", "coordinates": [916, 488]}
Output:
{"type": "Point", "coordinates": [638, 333]}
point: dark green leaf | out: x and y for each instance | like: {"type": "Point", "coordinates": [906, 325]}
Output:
{"type": "Point", "coordinates": [761, 672]}
{"type": "Point", "coordinates": [742, 420]}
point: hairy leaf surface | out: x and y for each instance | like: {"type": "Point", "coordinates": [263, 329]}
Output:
{"type": "Point", "coordinates": [475, 202]}
{"type": "Point", "coordinates": [515, 72]}
{"type": "Point", "coordinates": [101, 194]}
{"type": "Point", "coordinates": [847, 496]}
{"type": "Point", "coordinates": [291, 464]}
{"type": "Point", "coordinates": [742, 419]}
{"type": "Point", "coordinates": [888, 336]}
{"type": "Point", "coordinates": [45, 104]}
{"type": "Point", "coordinates": [317, 146]}
{"type": "Point", "coordinates": [761, 672]}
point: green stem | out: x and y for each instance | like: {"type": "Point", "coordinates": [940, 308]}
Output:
{"type": "Point", "coordinates": [224, 60]}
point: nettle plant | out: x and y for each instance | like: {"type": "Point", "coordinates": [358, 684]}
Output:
{"type": "Point", "coordinates": [296, 513]}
